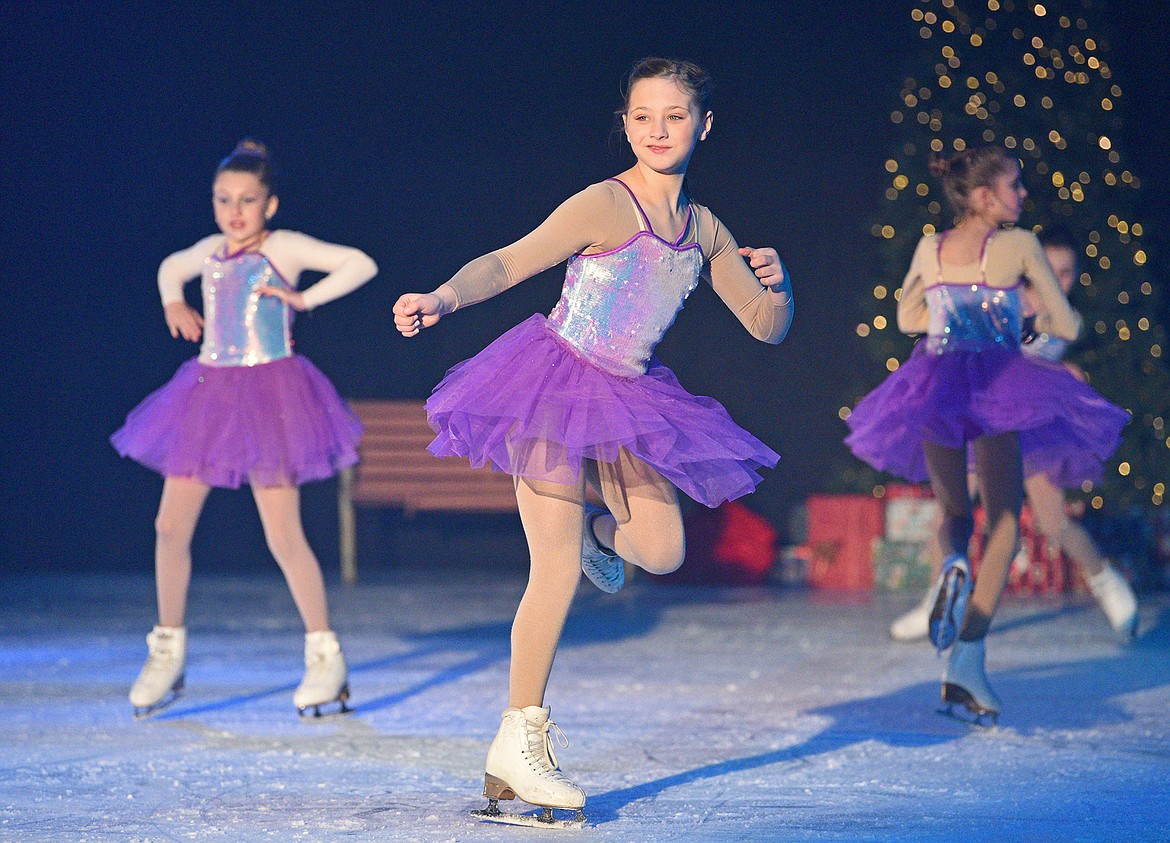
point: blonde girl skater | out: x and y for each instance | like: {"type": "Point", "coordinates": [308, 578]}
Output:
{"type": "Point", "coordinates": [577, 397]}
{"type": "Point", "coordinates": [246, 410]}
{"type": "Point", "coordinates": [967, 386]}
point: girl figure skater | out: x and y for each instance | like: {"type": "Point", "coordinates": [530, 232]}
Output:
{"type": "Point", "coordinates": [1111, 590]}
{"type": "Point", "coordinates": [246, 410]}
{"type": "Point", "coordinates": [578, 397]}
{"type": "Point", "coordinates": [968, 384]}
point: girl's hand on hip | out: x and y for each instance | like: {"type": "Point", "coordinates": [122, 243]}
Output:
{"type": "Point", "coordinates": [415, 311]}
{"type": "Point", "coordinates": [183, 321]}
{"type": "Point", "coordinates": [293, 298]}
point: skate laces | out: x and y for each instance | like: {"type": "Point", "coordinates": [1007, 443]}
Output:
{"type": "Point", "coordinates": [540, 744]}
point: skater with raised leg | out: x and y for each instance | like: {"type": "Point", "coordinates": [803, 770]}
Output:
{"type": "Point", "coordinates": [1043, 484]}
{"type": "Point", "coordinates": [246, 410]}
{"type": "Point", "coordinates": [578, 398]}
{"type": "Point", "coordinates": [968, 387]}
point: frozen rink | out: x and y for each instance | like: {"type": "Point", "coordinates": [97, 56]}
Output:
{"type": "Point", "coordinates": [692, 714]}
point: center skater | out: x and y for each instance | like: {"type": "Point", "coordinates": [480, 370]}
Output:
{"type": "Point", "coordinates": [246, 410]}
{"type": "Point", "coordinates": [968, 387]}
{"type": "Point", "coordinates": [578, 397]}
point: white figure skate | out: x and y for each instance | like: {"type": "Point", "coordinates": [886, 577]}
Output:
{"type": "Point", "coordinates": [950, 606]}
{"type": "Point", "coordinates": [521, 763]}
{"type": "Point", "coordinates": [161, 680]}
{"type": "Point", "coordinates": [605, 569]}
{"type": "Point", "coordinates": [326, 678]}
{"type": "Point", "coordinates": [915, 624]}
{"type": "Point", "coordinates": [1116, 599]}
{"type": "Point", "coordinates": [965, 683]}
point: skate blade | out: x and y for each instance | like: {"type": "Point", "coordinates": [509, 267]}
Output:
{"type": "Point", "coordinates": [943, 625]}
{"type": "Point", "coordinates": [146, 712]}
{"type": "Point", "coordinates": [316, 714]}
{"type": "Point", "coordinates": [969, 711]}
{"type": "Point", "coordinates": [544, 819]}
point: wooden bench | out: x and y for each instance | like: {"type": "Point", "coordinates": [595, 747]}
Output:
{"type": "Point", "coordinates": [396, 470]}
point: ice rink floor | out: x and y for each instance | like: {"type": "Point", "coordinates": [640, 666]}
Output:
{"type": "Point", "coordinates": [692, 714]}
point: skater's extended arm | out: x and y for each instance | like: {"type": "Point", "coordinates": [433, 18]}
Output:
{"type": "Point", "coordinates": [582, 222]}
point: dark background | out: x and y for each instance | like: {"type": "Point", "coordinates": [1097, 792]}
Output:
{"type": "Point", "coordinates": [427, 134]}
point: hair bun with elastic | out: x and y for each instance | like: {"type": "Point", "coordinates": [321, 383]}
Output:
{"type": "Point", "coordinates": [250, 147]}
{"type": "Point", "coordinates": [938, 166]}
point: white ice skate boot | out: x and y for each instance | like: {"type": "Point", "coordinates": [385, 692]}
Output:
{"type": "Point", "coordinates": [605, 569]}
{"type": "Point", "coordinates": [965, 682]}
{"type": "Point", "coordinates": [326, 678]}
{"type": "Point", "coordinates": [915, 624]}
{"type": "Point", "coordinates": [1116, 599]}
{"type": "Point", "coordinates": [161, 680]}
{"type": "Point", "coordinates": [950, 606]}
{"type": "Point", "coordinates": [521, 763]}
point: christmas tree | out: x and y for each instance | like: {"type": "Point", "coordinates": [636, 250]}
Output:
{"type": "Point", "coordinates": [1034, 77]}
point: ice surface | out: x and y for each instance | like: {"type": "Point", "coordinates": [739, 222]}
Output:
{"type": "Point", "coordinates": [693, 715]}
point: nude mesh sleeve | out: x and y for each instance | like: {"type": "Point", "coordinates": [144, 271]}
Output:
{"type": "Point", "coordinates": [913, 316]}
{"type": "Point", "coordinates": [767, 314]}
{"type": "Point", "coordinates": [582, 221]}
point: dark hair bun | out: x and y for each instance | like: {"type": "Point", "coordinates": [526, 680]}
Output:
{"type": "Point", "coordinates": [938, 165]}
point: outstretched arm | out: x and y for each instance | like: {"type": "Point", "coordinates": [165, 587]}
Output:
{"type": "Point", "coordinates": [581, 221]}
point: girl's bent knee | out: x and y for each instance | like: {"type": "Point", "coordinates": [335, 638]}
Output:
{"type": "Point", "coordinates": [663, 559]}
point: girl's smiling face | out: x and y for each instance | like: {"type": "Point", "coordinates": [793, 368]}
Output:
{"type": "Point", "coordinates": [663, 124]}
{"type": "Point", "coordinates": [242, 208]}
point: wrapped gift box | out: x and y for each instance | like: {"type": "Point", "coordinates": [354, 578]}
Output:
{"type": "Point", "coordinates": [842, 530]}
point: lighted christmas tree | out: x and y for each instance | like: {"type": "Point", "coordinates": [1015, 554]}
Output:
{"type": "Point", "coordinates": [1034, 77]}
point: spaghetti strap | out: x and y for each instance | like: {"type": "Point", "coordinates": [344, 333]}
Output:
{"type": "Point", "coordinates": [642, 214]}
{"type": "Point", "coordinates": [646, 220]}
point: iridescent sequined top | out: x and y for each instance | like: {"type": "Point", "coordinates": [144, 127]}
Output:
{"type": "Point", "coordinates": [972, 317]}
{"type": "Point", "coordinates": [242, 327]}
{"type": "Point", "coordinates": [616, 305]}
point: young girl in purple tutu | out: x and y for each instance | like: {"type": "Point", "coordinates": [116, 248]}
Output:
{"type": "Point", "coordinates": [1045, 496]}
{"type": "Point", "coordinates": [968, 388]}
{"type": "Point", "coordinates": [577, 397]}
{"type": "Point", "coordinates": [246, 410]}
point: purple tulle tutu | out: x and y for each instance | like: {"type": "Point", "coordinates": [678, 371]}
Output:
{"type": "Point", "coordinates": [1067, 430]}
{"type": "Point", "coordinates": [531, 406]}
{"type": "Point", "coordinates": [275, 424]}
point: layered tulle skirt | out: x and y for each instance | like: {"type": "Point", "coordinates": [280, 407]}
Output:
{"type": "Point", "coordinates": [530, 405]}
{"type": "Point", "coordinates": [274, 424]}
{"type": "Point", "coordinates": [1067, 431]}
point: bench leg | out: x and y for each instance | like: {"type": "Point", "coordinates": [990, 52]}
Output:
{"type": "Point", "coordinates": [347, 527]}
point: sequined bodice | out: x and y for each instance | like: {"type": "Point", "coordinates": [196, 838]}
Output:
{"type": "Point", "coordinates": [971, 317]}
{"type": "Point", "coordinates": [242, 327]}
{"type": "Point", "coordinates": [616, 306]}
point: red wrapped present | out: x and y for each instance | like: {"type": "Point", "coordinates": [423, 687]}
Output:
{"type": "Point", "coordinates": [842, 531]}
{"type": "Point", "coordinates": [728, 545]}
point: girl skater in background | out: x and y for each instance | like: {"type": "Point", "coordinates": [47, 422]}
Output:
{"type": "Point", "coordinates": [578, 397]}
{"type": "Point", "coordinates": [246, 410]}
{"type": "Point", "coordinates": [1044, 494]}
{"type": "Point", "coordinates": [969, 384]}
